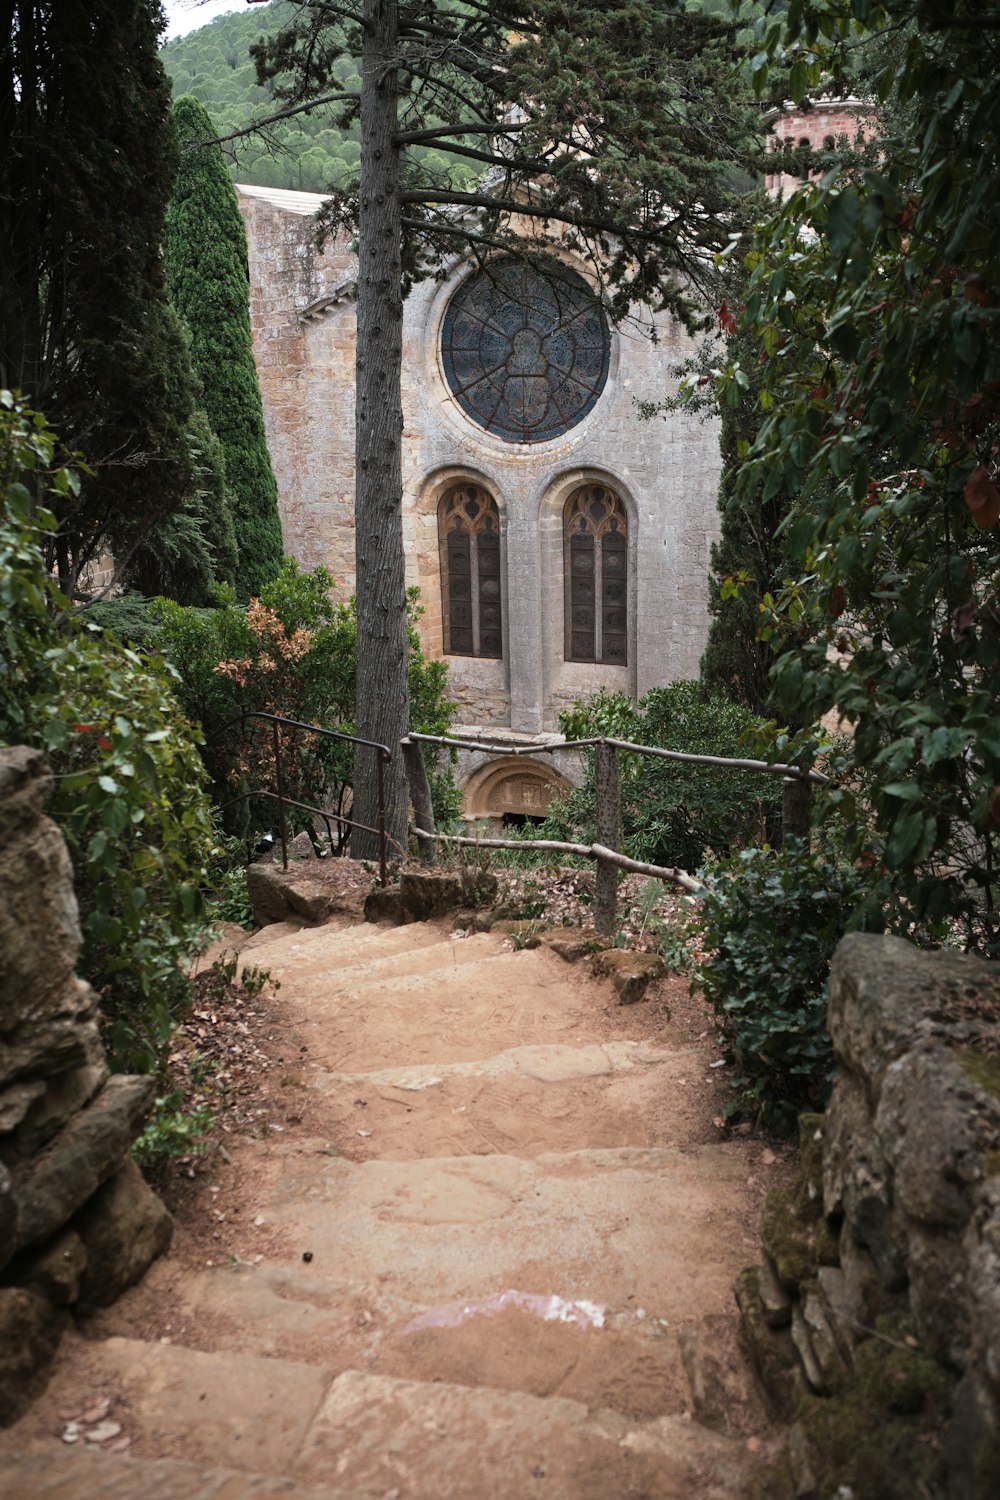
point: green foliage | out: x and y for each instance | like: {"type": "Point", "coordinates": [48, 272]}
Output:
{"type": "Point", "coordinates": [770, 920]}
{"type": "Point", "coordinates": [877, 333]}
{"type": "Point", "coordinates": [291, 652]}
{"type": "Point", "coordinates": [675, 814]}
{"type": "Point", "coordinates": [231, 902]}
{"type": "Point", "coordinates": [205, 254]}
{"type": "Point", "coordinates": [127, 792]}
{"type": "Point", "coordinates": [86, 330]}
{"type": "Point", "coordinates": [172, 1131]}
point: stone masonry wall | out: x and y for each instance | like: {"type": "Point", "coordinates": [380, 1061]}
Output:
{"type": "Point", "coordinates": [77, 1222]}
{"type": "Point", "coordinates": [875, 1317]}
{"type": "Point", "coordinates": [666, 472]}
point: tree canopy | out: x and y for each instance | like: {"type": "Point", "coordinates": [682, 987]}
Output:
{"type": "Point", "coordinates": [605, 130]}
{"type": "Point", "coordinates": [87, 160]}
{"type": "Point", "coordinates": [873, 304]}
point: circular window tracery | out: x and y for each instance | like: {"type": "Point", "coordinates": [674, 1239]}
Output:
{"type": "Point", "coordinates": [526, 350]}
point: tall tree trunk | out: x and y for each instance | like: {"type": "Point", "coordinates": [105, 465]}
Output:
{"type": "Point", "coordinates": [382, 688]}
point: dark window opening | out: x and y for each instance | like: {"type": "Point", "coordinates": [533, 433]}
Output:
{"type": "Point", "coordinates": [596, 532]}
{"type": "Point", "coordinates": [521, 820]}
{"type": "Point", "coordinates": [469, 534]}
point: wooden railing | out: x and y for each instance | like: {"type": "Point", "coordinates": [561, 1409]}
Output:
{"type": "Point", "coordinates": [795, 809]}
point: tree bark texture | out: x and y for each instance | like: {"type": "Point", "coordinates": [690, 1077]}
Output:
{"type": "Point", "coordinates": [382, 688]}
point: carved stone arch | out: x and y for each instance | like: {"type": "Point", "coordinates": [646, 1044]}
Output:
{"type": "Point", "coordinates": [425, 569]}
{"type": "Point", "coordinates": [513, 785]}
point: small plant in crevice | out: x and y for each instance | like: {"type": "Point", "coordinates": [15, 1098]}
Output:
{"type": "Point", "coordinates": [172, 1132]}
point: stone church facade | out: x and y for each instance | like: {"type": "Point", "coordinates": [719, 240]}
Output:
{"type": "Point", "coordinates": [560, 542]}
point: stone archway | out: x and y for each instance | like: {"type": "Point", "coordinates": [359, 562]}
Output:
{"type": "Point", "coordinates": [513, 785]}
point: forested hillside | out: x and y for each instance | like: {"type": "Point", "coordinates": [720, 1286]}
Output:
{"type": "Point", "coordinates": [307, 153]}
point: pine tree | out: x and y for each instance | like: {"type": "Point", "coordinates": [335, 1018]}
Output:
{"type": "Point", "coordinates": [612, 124]}
{"type": "Point", "coordinates": [87, 161]}
{"type": "Point", "coordinates": [206, 259]}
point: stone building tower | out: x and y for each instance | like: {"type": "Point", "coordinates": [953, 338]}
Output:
{"type": "Point", "coordinates": [560, 542]}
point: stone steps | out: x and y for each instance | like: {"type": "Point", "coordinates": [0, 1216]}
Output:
{"type": "Point", "coordinates": [371, 1435]}
{"type": "Point", "coordinates": [480, 1273]}
{"type": "Point", "coordinates": [54, 1472]}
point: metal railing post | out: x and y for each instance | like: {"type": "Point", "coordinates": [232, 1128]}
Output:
{"type": "Point", "coordinates": [380, 756]}
{"type": "Point", "coordinates": [281, 796]}
{"type": "Point", "coordinates": [609, 832]}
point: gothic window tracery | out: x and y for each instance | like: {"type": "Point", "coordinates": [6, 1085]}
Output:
{"type": "Point", "coordinates": [526, 348]}
{"type": "Point", "coordinates": [469, 533]}
{"type": "Point", "coordinates": [596, 563]}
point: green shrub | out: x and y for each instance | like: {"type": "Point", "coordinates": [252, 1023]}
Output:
{"type": "Point", "coordinates": [128, 781]}
{"type": "Point", "coordinates": [673, 813]}
{"type": "Point", "coordinates": [292, 651]}
{"type": "Point", "coordinates": [770, 920]}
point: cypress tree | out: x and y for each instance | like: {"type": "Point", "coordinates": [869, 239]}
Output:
{"type": "Point", "coordinates": [736, 664]}
{"type": "Point", "coordinates": [87, 162]}
{"type": "Point", "coordinates": [206, 258]}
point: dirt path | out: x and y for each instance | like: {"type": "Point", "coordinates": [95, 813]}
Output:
{"type": "Point", "coordinates": [488, 1252]}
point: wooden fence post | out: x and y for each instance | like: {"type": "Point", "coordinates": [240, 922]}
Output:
{"type": "Point", "coordinates": [420, 796]}
{"type": "Point", "coordinates": [609, 833]}
{"type": "Point", "coordinates": [796, 809]}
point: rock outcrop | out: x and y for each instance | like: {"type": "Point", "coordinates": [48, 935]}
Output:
{"type": "Point", "coordinates": [66, 1126]}
{"type": "Point", "coordinates": [875, 1318]}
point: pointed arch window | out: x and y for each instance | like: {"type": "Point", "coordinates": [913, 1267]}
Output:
{"type": "Point", "coordinates": [469, 534]}
{"type": "Point", "coordinates": [596, 571]}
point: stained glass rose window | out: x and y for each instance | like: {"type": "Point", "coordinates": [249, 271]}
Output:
{"type": "Point", "coordinates": [526, 349]}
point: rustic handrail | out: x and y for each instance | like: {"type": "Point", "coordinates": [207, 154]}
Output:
{"type": "Point", "coordinates": [384, 755]}
{"type": "Point", "coordinates": [778, 768]}
{"type": "Point", "coordinates": [795, 807]}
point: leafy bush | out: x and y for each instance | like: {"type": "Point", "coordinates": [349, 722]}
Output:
{"type": "Point", "coordinates": [128, 782]}
{"type": "Point", "coordinates": [292, 652]}
{"type": "Point", "coordinates": [171, 1131]}
{"type": "Point", "coordinates": [673, 813]}
{"type": "Point", "coordinates": [770, 920]}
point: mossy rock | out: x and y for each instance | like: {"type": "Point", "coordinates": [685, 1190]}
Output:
{"type": "Point", "coordinates": [882, 1436]}
{"type": "Point", "coordinates": [773, 1353]}
{"type": "Point", "coordinates": [982, 1070]}
{"type": "Point", "coordinates": [797, 1243]}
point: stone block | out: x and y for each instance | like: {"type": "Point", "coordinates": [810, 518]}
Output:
{"type": "Point", "coordinates": [63, 1036]}
{"type": "Point", "coordinates": [630, 973]}
{"type": "Point", "coordinates": [84, 1154]}
{"type": "Point", "coordinates": [430, 893]}
{"type": "Point", "coordinates": [57, 1269]}
{"type": "Point", "coordinates": [39, 927]}
{"type": "Point", "coordinates": [8, 1216]}
{"type": "Point", "coordinates": [772, 1350]}
{"type": "Point", "coordinates": [857, 1180]}
{"type": "Point", "coordinates": [123, 1228]}
{"type": "Point", "coordinates": [935, 1131]}
{"type": "Point", "coordinates": [60, 1098]}
{"type": "Point", "coordinates": [30, 1330]}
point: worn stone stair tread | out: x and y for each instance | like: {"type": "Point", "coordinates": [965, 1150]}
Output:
{"type": "Point", "coordinates": [626, 1226]}
{"type": "Point", "coordinates": [440, 1441]}
{"type": "Point", "coordinates": [479, 1008]}
{"type": "Point", "coordinates": [526, 1101]}
{"type": "Point", "coordinates": [623, 1358]}
{"type": "Point", "coordinates": [54, 1472]}
{"type": "Point", "coordinates": [341, 945]}
{"type": "Point", "coordinates": [363, 967]}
